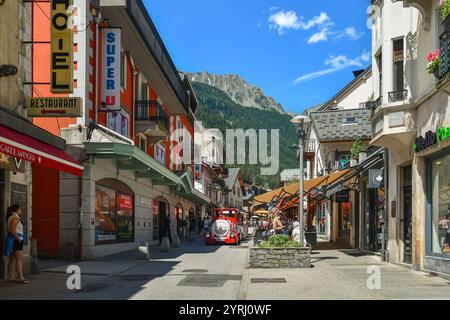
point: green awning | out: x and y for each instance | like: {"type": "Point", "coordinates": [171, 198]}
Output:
{"type": "Point", "coordinates": [131, 158]}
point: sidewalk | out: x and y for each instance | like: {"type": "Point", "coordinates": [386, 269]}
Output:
{"type": "Point", "coordinates": [50, 283]}
{"type": "Point", "coordinates": [342, 275]}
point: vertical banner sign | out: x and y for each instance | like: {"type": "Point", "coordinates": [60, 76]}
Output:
{"type": "Point", "coordinates": [111, 68]}
{"type": "Point", "coordinates": [61, 65]}
{"type": "Point", "coordinates": [198, 171]}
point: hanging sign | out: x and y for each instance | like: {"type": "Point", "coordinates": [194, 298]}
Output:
{"type": "Point", "coordinates": [61, 65]}
{"type": "Point", "coordinates": [54, 107]}
{"type": "Point", "coordinates": [376, 178]}
{"type": "Point", "coordinates": [111, 38]}
{"type": "Point", "coordinates": [198, 171]}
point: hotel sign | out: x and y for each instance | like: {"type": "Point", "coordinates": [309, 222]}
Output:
{"type": "Point", "coordinates": [61, 65]}
{"type": "Point", "coordinates": [54, 107]}
{"type": "Point", "coordinates": [111, 39]}
{"type": "Point", "coordinates": [431, 139]}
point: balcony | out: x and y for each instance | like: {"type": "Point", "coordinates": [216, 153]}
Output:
{"type": "Point", "coordinates": [310, 146]}
{"type": "Point", "coordinates": [373, 105]}
{"type": "Point", "coordinates": [151, 120]}
{"type": "Point", "coordinates": [399, 95]}
{"type": "Point", "coordinates": [444, 66]}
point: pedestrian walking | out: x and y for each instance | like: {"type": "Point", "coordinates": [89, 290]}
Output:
{"type": "Point", "coordinates": [14, 244]}
{"type": "Point", "coordinates": [186, 228]}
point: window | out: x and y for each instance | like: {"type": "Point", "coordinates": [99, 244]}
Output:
{"type": "Point", "coordinates": [143, 143]}
{"type": "Point", "coordinates": [114, 212]}
{"type": "Point", "coordinates": [123, 69]}
{"type": "Point", "coordinates": [440, 215]}
{"type": "Point", "coordinates": [144, 91]}
{"type": "Point", "coordinates": [351, 120]}
{"type": "Point", "coordinates": [398, 65]}
{"type": "Point", "coordinates": [160, 153]}
{"type": "Point", "coordinates": [379, 59]}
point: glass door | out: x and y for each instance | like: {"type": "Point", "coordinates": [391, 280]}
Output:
{"type": "Point", "coordinates": [407, 215]}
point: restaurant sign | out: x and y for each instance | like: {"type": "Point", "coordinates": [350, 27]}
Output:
{"type": "Point", "coordinates": [431, 139]}
{"type": "Point", "coordinates": [61, 46]}
{"type": "Point", "coordinates": [54, 107]}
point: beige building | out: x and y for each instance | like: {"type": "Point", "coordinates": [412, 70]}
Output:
{"type": "Point", "coordinates": [412, 121]}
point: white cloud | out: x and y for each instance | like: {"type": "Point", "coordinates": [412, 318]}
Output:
{"type": "Point", "coordinates": [285, 20]}
{"type": "Point", "coordinates": [335, 64]}
{"type": "Point", "coordinates": [320, 36]}
{"type": "Point", "coordinates": [321, 19]}
{"type": "Point", "coordinates": [273, 8]}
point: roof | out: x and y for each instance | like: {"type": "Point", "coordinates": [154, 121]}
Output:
{"type": "Point", "coordinates": [290, 174]}
{"type": "Point", "coordinates": [232, 176]}
{"type": "Point", "coordinates": [331, 124]}
{"type": "Point", "coordinates": [361, 76]}
{"type": "Point", "coordinates": [293, 189]}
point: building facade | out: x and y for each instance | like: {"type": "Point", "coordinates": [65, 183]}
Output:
{"type": "Point", "coordinates": [134, 133]}
{"type": "Point", "coordinates": [24, 147]}
{"type": "Point", "coordinates": [413, 127]}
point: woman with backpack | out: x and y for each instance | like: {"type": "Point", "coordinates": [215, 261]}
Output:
{"type": "Point", "coordinates": [14, 244]}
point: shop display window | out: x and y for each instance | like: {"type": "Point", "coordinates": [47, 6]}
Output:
{"type": "Point", "coordinates": [114, 213]}
{"type": "Point", "coordinates": [440, 215]}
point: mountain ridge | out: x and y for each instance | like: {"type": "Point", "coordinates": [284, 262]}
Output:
{"type": "Point", "coordinates": [238, 89]}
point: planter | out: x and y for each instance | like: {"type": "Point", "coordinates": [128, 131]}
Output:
{"type": "Point", "coordinates": [436, 73]}
{"type": "Point", "coordinates": [280, 258]}
{"type": "Point", "coordinates": [353, 163]}
{"type": "Point", "coordinates": [362, 156]}
{"type": "Point", "coordinates": [446, 23]}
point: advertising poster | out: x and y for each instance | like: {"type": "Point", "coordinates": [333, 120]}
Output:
{"type": "Point", "coordinates": [105, 214]}
{"type": "Point", "coordinates": [119, 122]}
{"type": "Point", "coordinates": [124, 217]}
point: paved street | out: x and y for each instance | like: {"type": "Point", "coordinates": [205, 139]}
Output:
{"type": "Point", "coordinates": [199, 272]}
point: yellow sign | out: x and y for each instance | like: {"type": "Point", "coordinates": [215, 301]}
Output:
{"type": "Point", "coordinates": [54, 107]}
{"type": "Point", "coordinates": [61, 77]}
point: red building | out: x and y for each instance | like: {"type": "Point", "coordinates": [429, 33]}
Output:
{"type": "Point", "coordinates": [137, 115]}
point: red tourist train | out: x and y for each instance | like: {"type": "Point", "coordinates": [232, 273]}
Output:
{"type": "Point", "coordinates": [227, 227]}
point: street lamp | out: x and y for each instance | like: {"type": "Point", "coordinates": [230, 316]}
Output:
{"type": "Point", "coordinates": [301, 123]}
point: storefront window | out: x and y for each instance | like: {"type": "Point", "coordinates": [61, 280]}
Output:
{"type": "Point", "coordinates": [441, 206]}
{"type": "Point", "coordinates": [113, 213]}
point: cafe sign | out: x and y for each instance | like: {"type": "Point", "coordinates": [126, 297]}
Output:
{"type": "Point", "coordinates": [61, 65]}
{"type": "Point", "coordinates": [54, 107]}
{"type": "Point", "coordinates": [431, 138]}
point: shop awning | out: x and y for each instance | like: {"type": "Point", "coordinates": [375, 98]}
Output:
{"type": "Point", "coordinates": [293, 189]}
{"type": "Point", "coordinates": [131, 158]}
{"type": "Point", "coordinates": [22, 146]}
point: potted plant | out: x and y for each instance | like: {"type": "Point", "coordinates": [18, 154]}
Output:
{"type": "Point", "coordinates": [357, 147]}
{"type": "Point", "coordinates": [434, 60]}
{"type": "Point", "coordinates": [444, 7]}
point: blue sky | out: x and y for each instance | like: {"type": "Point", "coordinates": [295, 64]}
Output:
{"type": "Point", "coordinates": [300, 52]}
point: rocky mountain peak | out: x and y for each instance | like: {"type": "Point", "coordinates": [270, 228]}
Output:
{"type": "Point", "coordinates": [239, 90]}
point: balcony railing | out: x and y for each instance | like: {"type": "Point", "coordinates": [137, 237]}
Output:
{"type": "Point", "coordinates": [399, 95]}
{"type": "Point", "coordinates": [444, 65]}
{"type": "Point", "coordinates": [373, 105]}
{"type": "Point", "coordinates": [310, 146]}
{"type": "Point", "coordinates": [151, 110]}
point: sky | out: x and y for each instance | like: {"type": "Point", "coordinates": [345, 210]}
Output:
{"type": "Point", "coordinates": [300, 52]}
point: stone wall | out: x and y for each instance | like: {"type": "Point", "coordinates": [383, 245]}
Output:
{"type": "Point", "coordinates": [280, 258]}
